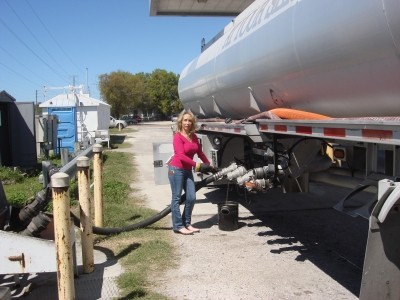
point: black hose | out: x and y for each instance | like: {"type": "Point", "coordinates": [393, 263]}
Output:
{"type": "Point", "coordinates": [141, 224]}
{"type": "Point", "coordinates": [146, 222]}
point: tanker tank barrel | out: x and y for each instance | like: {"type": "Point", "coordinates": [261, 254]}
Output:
{"type": "Point", "coordinates": [238, 74]}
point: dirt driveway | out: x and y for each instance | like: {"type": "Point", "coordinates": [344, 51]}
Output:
{"type": "Point", "coordinates": [288, 246]}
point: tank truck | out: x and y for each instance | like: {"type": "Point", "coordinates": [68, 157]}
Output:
{"type": "Point", "coordinates": [295, 91]}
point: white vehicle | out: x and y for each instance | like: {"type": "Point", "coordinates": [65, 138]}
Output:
{"type": "Point", "coordinates": [120, 124]}
{"type": "Point", "coordinates": [276, 65]}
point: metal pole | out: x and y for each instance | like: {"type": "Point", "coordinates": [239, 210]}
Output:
{"type": "Point", "coordinates": [85, 214]}
{"type": "Point", "coordinates": [65, 274]}
{"type": "Point", "coordinates": [98, 184]}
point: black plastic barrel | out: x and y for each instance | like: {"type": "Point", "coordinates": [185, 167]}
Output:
{"type": "Point", "coordinates": [228, 214]}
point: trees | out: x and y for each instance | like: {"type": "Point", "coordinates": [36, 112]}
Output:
{"type": "Point", "coordinates": [122, 90]}
{"type": "Point", "coordinates": [156, 91]}
{"type": "Point", "coordinates": [163, 91]}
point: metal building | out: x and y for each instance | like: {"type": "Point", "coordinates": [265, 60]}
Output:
{"type": "Point", "coordinates": [17, 132]}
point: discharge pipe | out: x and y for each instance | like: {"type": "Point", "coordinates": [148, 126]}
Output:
{"type": "Point", "coordinates": [30, 211]}
{"type": "Point", "coordinates": [27, 213]}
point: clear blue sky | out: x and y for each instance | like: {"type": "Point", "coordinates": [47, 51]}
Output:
{"type": "Point", "coordinates": [52, 43]}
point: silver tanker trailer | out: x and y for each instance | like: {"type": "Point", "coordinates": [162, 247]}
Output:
{"type": "Point", "coordinates": [298, 90]}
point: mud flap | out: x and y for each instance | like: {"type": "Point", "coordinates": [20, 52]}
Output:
{"type": "Point", "coordinates": [381, 272]}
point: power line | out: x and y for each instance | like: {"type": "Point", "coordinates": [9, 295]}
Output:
{"type": "Point", "coordinates": [33, 52]}
{"type": "Point", "coordinates": [23, 76]}
{"type": "Point", "coordinates": [53, 38]}
{"type": "Point", "coordinates": [21, 64]}
{"type": "Point", "coordinates": [34, 36]}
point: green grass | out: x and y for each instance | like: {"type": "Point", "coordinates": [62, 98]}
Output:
{"type": "Point", "coordinates": [144, 253]}
{"type": "Point", "coordinates": [145, 259]}
{"type": "Point", "coordinates": [19, 188]}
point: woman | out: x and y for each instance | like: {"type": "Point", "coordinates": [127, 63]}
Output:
{"type": "Point", "coordinates": [180, 172]}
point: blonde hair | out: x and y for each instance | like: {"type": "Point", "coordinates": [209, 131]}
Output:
{"type": "Point", "coordinates": [180, 119]}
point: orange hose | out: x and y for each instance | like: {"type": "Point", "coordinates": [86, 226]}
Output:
{"type": "Point", "coordinates": [293, 114]}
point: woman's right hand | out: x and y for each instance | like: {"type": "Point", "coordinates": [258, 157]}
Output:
{"type": "Point", "coordinates": [204, 168]}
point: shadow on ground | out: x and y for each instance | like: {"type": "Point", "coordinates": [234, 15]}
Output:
{"type": "Point", "coordinates": [307, 224]}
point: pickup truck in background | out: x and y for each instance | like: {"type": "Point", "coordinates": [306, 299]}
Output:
{"type": "Point", "coordinates": [120, 124]}
{"type": "Point", "coordinates": [130, 120]}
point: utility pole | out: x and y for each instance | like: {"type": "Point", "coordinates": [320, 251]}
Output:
{"type": "Point", "coordinates": [87, 83]}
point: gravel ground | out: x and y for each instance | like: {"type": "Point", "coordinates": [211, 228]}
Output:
{"type": "Point", "coordinates": [287, 246]}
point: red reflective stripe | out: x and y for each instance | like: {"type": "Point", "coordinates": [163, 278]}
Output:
{"type": "Point", "coordinates": [341, 132]}
{"type": "Point", "coordinates": [237, 130]}
{"type": "Point", "coordinates": [377, 134]}
{"type": "Point", "coordinates": [264, 127]}
{"type": "Point", "coordinates": [280, 128]}
{"type": "Point", "coordinates": [304, 129]}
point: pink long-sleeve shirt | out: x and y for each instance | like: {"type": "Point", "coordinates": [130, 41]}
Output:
{"type": "Point", "coordinates": [184, 151]}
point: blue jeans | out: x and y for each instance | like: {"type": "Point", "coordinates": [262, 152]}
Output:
{"type": "Point", "coordinates": [179, 180]}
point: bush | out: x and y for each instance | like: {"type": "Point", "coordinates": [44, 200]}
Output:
{"type": "Point", "coordinates": [11, 175]}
